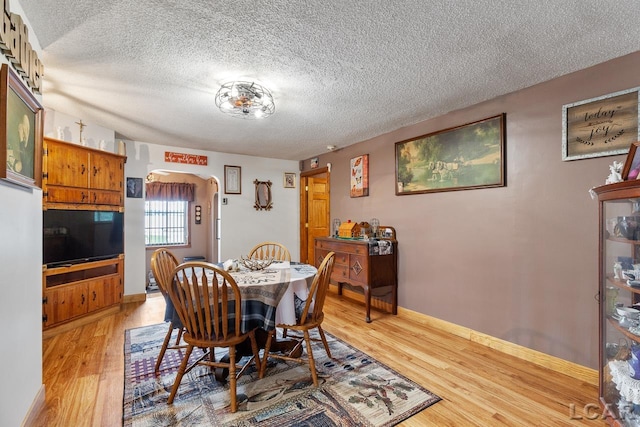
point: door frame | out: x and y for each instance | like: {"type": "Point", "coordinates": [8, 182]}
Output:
{"type": "Point", "coordinates": [304, 208]}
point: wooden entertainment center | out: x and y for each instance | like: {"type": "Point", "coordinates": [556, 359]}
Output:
{"type": "Point", "coordinates": [358, 263]}
{"type": "Point", "coordinates": [81, 178]}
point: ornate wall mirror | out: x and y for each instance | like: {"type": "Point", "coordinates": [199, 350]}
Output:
{"type": "Point", "coordinates": [263, 195]}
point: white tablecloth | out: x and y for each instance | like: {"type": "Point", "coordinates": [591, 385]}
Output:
{"type": "Point", "coordinates": [301, 277]}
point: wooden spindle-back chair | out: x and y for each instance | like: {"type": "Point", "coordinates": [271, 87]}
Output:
{"type": "Point", "coordinates": [311, 318]}
{"type": "Point", "coordinates": [273, 250]}
{"type": "Point", "coordinates": [208, 302]}
{"type": "Point", "coordinates": [163, 262]}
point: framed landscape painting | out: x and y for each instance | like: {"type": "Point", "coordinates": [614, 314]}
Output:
{"type": "Point", "coordinates": [21, 139]}
{"type": "Point", "coordinates": [466, 157]}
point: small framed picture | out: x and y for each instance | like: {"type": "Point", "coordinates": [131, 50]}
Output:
{"type": "Point", "coordinates": [289, 180]}
{"type": "Point", "coordinates": [232, 179]}
{"type": "Point", "coordinates": [134, 188]}
{"type": "Point", "coordinates": [314, 163]}
{"type": "Point", "coordinates": [631, 169]}
{"type": "Point", "coordinates": [359, 176]}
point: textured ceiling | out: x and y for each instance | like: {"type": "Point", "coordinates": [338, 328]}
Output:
{"type": "Point", "coordinates": [340, 71]}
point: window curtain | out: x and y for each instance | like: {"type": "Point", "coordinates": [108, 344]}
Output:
{"type": "Point", "coordinates": [171, 191]}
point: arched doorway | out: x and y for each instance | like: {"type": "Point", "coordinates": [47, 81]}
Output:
{"type": "Point", "coordinates": [204, 216]}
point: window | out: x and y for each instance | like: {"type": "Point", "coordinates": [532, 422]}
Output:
{"type": "Point", "coordinates": [166, 223]}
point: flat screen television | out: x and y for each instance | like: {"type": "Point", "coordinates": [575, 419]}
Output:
{"type": "Point", "coordinates": [72, 237]}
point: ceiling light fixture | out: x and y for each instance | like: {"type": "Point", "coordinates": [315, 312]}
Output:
{"type": "Point", "coordinates": [248, 100]}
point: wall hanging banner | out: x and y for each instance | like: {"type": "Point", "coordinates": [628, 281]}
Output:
{"type": "Point", "coordinates": [189, 159]}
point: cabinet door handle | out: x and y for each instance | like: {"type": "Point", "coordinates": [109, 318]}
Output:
{"type": "Point", "coordinates": [94, 295]}
{"type": "Point", "coordinates": [84, 196]}
{"type": "Point", "coordinates": [95, 171]}
{"type": "Point", "coordinates": [84, 169]}
{"type": "Point", "coordinates": [82, 299]}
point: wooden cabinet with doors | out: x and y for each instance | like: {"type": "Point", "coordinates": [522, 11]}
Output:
{"type": "Point", "coordinates": [75, 177]}
{"type": "Point", "coordinates": [361, 263]}
{"type": "Point", "coordinates": [73, 291]}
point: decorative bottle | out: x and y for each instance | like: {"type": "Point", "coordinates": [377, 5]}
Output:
{"type": "Point", "coordinates": [617, 270]}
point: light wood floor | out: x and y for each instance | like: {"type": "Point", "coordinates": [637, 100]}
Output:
{"type": "Point", "coordinates": [83, 372]}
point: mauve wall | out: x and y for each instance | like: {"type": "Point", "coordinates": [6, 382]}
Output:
{"type": "Point", "coordinates": [518, 262]}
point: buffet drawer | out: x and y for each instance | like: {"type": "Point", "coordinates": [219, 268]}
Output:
{"type": "Point", "coordinates": [342, 259]}
{"type": "Point", "coordinates": [352, 247]}
{"type": "Point", "coordinates": [340, 273]}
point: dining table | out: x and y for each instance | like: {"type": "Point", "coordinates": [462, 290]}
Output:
{"type": "Point", "coordinates": [269, 294]}
{"type": "Point", "coordinates": [268, 298]}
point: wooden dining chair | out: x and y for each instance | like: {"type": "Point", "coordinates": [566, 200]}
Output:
{"type": "Point", "coordinates": [311, 318]}
{"type": "Point", "coordinates": [163, 262]}
{"type": "Point", "coordinates": [208, 302]}
{"type": "Point", "coordinates": [273, 250]}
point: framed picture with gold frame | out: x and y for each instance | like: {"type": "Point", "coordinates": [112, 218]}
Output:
{"type": "Point", "coordinates": [470, 156]}
{"type": "Point", "coordinates": [21, 140]}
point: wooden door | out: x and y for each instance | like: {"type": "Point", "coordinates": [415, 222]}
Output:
{"type": "Point", "coordinates": [314, 210]}
{"type": "Point", "coordinates": [68, 195]}
{"type": "Point", "coordinates": [99, 197]}
{"type": "Point", "coordinates": [106, 172]}
{"type": "Point", "coordinates": [64, 303]}
{"type": "Point", "coordinates": [67, 165]}
{"type": "Point", "coordinates": [104, 292]}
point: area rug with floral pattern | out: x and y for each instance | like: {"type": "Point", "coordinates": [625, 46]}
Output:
{"type": "Point", "coordinates": [354, 390]}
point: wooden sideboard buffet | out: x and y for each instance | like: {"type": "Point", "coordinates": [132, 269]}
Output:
{"type": "Point", "coordinates": [81, 178]}
{"type": "Point", "coordinates": [356, 264]}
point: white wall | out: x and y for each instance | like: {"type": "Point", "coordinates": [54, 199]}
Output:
{"type": "Point", "coordinates": [92, 133]}
{"type": "Point", "coordinates": [21, 302]}
{"type": "Point", "coordinates": [241, 225]}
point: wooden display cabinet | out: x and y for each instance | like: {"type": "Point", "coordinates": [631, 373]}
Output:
{"type": "Point", "coordinates": [619, 217]}
{"type": "Point", "coordinates": [77, 177]}
{"type": "Point", "coordinates": [356, 265]}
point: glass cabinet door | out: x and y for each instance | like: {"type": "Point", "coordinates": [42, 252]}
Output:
{"type": "Point", "coordinates": [620, 310]}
